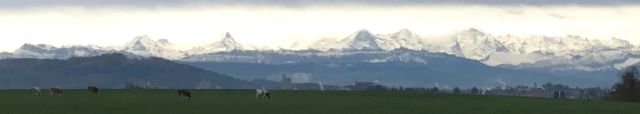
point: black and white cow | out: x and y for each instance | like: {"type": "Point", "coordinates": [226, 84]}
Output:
{"type": "Point", "coordinates": [55, 91]}
{"type": "Point", "coordinates": [262, 94]}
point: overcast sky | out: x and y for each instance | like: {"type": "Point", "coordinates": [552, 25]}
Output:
{"type": "Point", "coordinates": [301, 3]}
{"type": "Point", "coordinates": [279, 23]}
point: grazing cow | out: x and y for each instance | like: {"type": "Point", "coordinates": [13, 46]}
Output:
{"type": "Point", "coordinates": [184, 93]}
{"type": "Point", "coordinates": [93, 90]}
{"type": "Point", "coordinates": [56, 91]}
{"type": "Point", "coordinates": [35, 91]}
{"type": "Point", "coordinates": [262, 94]}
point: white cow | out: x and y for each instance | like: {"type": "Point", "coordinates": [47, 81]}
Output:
{"type": "Point", "coordinates": [262, 94]}
{"type": "Point", "coordinates": [35, 91]}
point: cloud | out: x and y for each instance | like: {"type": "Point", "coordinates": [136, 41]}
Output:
{"type": "Point", "coordinates": [111, 23]}
{"type": "Point", "coordinates": [557, 16]}
{"type": "Point", "coordinates": [501, 82]}
{"type": "Point", "coordinates": [13, 4]}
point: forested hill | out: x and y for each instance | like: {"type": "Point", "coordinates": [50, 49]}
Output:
{"type": "Point", "coordinates": [110, 71]}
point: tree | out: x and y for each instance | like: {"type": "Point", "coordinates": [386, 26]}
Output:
{"type": "Point", "coordinates": [133, 86]}
{"type": "Point", "coordinates": [434, 90]}
{"type": "Point", "coordinates": [628, 89]}
{"type": "Point", "coordinates": [456, 90]}
{"type": "Point", "coordinates": [475, 90]}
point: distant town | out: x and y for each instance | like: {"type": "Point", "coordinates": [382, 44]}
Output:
{"type": "Point", "coordinates": [546, 90]}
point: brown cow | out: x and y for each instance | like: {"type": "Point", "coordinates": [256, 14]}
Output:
{"type": "Point", "coordinates": [93, 90]}
{"type": "Point", "coordinates": [56, 91]}
{"type": "Point", "coordinates": [184, 93]}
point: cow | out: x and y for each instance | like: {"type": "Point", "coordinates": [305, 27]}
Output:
{"type": "Point", "coordinates": [184, 93]}
{"type": "Point", "coordinates": [35, 91]}
{"type": "Point", "coordinates": [56, 91]}
{"type": "Point", "coordinates": [93, 90]}
{"type": "Point", "coordinates": [262, 94]}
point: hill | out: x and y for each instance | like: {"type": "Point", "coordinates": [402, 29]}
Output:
{"type": "Point", "coordinates": [110, 71]}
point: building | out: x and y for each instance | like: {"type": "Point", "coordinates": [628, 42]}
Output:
{"type": "Point", "coordinates": [286, 80]}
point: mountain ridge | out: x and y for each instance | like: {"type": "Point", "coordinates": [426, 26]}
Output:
{"type": "Point", "coordinates": [556, 53]}
{"type": "Point", "coordinates": [109, 71]}
{"type": "Point", "coordinates": [227, 43]}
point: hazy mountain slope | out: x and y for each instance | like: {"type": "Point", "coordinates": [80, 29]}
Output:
{"type": "Point", "coordinates": [396, 67]}
{"type": "Point", "coordinates": [4, 55]}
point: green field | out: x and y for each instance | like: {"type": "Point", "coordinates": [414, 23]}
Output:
{"type": "Point", "coordinates": [295, 102]}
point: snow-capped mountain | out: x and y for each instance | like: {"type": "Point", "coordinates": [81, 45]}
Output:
{"type": "Point", "coordinates": [363, 40]}
{"type": "Point", "coordinates": [145, 46]}
{"type": "Point", "coordinates": [139, 46]}
{"type": "Point", "coordinates": [571, 52]}
{"type": "Point", "coordinates": [573, 56]}
{"type": "Point", "coordinates": [474, 44]}
{"type": "Point", "coordinates": [227, 43]}
{"type": "Point", "coordinates": [44, 51]}
{"type": "Point", "coordinates": [518, 52]}
{"type": "Point", "coordinates": [401, 39]}
{"type": "Point", "coordinates": [555, 53]}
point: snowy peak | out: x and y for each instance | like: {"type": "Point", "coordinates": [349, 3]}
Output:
{"type": "Point", "coordinates": [474, 44]}
{"type": "Point", "coordinates": [472, 32]}
{"type": "Point", "coordinates": [227, 43]}
{"type": "Point", "coordinates": [227, 35]}
{"type": "Point", "coordinates": [405, 34]}
{"type": "Point", "coordinates": [362, 40]}
{"type": "Point", "coordinates": [617, 43]}
{"type": "Point", "coordinates": [401, 39]}
{"type": "Point", "coordinates": [365, 40]}
{"type": "Point", "coordinates": [145, 46]}
{"type": "Point", "coordinates": [164, 42]}
{"type": "Point", "coordinates": [40, 51]}
{"type": "Point", "coordinates": [37, 47]}
{"type": "Point", "coordinates": [145, 43]}
{"type": "Point", "coordinates": [44, 51]}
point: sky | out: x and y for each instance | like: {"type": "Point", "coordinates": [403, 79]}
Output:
{"type": "Point", "coordinates": [280, 23]}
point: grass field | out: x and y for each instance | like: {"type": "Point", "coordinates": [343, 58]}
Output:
{"type": "Point", "coordinates": [295, 102]}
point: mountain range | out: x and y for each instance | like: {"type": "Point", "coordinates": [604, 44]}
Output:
{"type": "Point", "coordinates": [594, 60]}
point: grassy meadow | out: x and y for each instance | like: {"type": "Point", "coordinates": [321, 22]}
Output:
{"type": "Point", "coordinates": [294, 102]}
